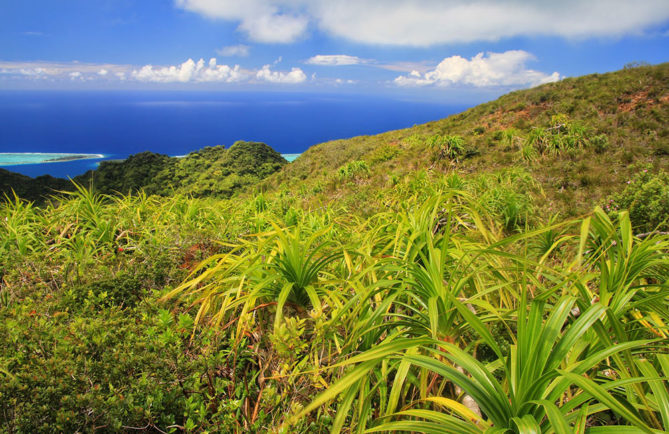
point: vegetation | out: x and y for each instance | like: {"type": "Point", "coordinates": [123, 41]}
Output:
{"type": "Point", "coordinates": [439, 299]}
{"type": "Point", "coordinates": [579, 138]}
{"type": "Point", "coordinates": [211, 172]}
{"type": "Point", "coordinates": [646, 196]}
{"type": "Point", "coordinates": [31, 188]}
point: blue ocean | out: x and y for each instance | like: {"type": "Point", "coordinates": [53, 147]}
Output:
{"type": "Point", "coordinates": [117, 124]}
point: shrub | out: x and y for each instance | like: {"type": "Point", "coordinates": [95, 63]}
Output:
{"type": "Point", "coordinates": [600, 143]}
{"type": "Point", "coordinates": [384, 153]}
{"type": "Point", "coordinates": [528, 152]}
{"type": "Point", "coordinates": [353, 170]}
{"type": "Point", "coordinates": [451, 147]}
{"type": "Point", "coordinates": [647, 199]}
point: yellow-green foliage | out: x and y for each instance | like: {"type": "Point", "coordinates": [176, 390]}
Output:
{"type": "Point", "coordinates": [411, 295]}
{"type": "Point", "coordinates": [384, 312]}
{"type": "Point", "coordinates": [257, 315]}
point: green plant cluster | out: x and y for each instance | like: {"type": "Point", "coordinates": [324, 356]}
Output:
{"type": "Point", "coordinates": [396, 313]}
{"type": "Point", "coordinates": [450, 147]}
{"type": "Point", "coordinates": [646, 196]}
{"type": "Point", "coordinates": [353, 170]}
{"type": "Point", "coordinates": [85, 343]}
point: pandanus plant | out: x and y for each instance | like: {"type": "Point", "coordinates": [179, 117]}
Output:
{"type": "Point", "coordinates": [551, 379]}
{"type": "Point", "coordinates": [281, 267]}
{"type": "Point", "coordinates": [19, 226]}
{"type": "Point", "coordinates": [569, 359]}
{"type": "Point", "coordinates": [90, 214]}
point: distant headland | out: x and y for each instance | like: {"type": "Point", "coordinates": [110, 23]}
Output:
{"type": "Point", "coordinates": [17, 158]}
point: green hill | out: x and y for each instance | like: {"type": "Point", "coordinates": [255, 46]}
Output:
{"type": "Point", "coordinates": [581, 139]}
{"type": "Point", "coordinates": [212, 171]}
{"type": "Point", "coordinates": [30, 188]}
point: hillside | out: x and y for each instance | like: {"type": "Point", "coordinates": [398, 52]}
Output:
{"type": "Point", "coordinates": [415, 281]}
{"type": "Point", "coordinates": [581, 139]}
{"type": "Point", "coordinates": [30, 188]}
{"type": "Point", "coordinates": [212, 171]}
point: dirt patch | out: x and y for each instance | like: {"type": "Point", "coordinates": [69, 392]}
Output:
{"type": "Point", "coordinates": [195, 254]}
{"type": "Point", "coordinates": [635, 100]}
{"type": "Point", "coordinates": [503, 119]}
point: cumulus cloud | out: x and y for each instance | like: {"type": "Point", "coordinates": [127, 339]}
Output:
{"type": "Point", "coordinates": [295, 76]}
{"type": "Point", "coordinates": [490, 69]}
{"type": "Point", "coordinates": [190, 71]}
{"type": "Point", "coordinates": [429, 22]}
{"type": "Point", "coordinates": [234, 50]}
{"type": "Point", "coordinates": [335, 60]}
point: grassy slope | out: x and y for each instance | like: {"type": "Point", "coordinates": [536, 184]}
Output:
{"type": "Point", "coordinates": [630, 107]}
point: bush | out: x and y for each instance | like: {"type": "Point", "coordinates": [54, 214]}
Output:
{"type": "Point", "coordinates": [353, 170]}
{"type": "Point", "coordinates": [600, 143]}
{"type": "Point", "coordinates": [451, 147]}
{"type": "Point", "coordinates": [647, 199]}
{"type": "Point", "coordinates": [384, 153]}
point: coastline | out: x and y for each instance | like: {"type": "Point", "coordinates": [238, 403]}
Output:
{"type": "Point", "coordinates": [20, 158]}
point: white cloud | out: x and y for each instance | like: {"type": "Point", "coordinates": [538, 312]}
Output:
{"type": "Point", "coordinates": [274, 27]}
{"type": "Point", "coordinates": [295, 76]}
{"type": "Point", "coordinates": [57, 70]}
{"type": "Point", "coordinates": [490, 69]}
{"type": "Point", "coordinates": [429, 22]}
{"type": "Point", "coordinates": [190, 71]}
{"type": "Point", "coordinates": [261, 20]}
{"type": "Point", "coordinates": [335, 60]}
{"type": "Point", "coordinates": [234, 50]}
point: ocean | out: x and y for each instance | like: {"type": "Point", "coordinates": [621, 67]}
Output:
{"type": "Point", "coordinates": [117, 124]}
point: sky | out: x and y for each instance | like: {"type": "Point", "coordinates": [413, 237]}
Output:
{"type": "Point", "coordinates": [447, 50]}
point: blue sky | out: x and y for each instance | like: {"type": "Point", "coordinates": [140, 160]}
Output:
{"type": "Point", "coordinates": [426, 49]}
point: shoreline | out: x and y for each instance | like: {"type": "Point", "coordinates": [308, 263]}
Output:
{"type": "Point", "coordinates": [55, 157]}
{"type": "Point", "coordinates": [22, 158]}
